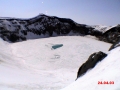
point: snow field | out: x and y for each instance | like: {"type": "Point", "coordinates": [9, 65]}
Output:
{"type": "Point", "coordinates": [33, 65]}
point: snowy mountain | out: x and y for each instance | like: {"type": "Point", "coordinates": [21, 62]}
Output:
{"type": "Point", "coordinates": [15, 29]}
{"type": "Point", "coordinates": [52, 63]}
{"type": "Point", "coordinates": [42, 26]}
{"type": "Point", "coordinates": [109, 34]}
{"type": "Point", "coordinates": [102, 28]}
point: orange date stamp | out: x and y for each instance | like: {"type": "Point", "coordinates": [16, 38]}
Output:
{"type": "Point", "coordinates": [105, 82]}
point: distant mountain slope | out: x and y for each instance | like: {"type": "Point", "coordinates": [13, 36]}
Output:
{"type": "Point", "coordinates": [110, 34]}
{"type": "Point", "coordinates": [14, 29]}
{"type": "Point", "coordinates": [102, 28]}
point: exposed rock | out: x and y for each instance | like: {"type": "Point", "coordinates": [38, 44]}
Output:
{"type": "Point", "coordinates": [116, 44]}
{"type": "Point", "coordinates": [112, 35]}
{"type": "Point", "coordinates": [91, 62]}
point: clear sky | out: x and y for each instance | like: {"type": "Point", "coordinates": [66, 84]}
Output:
{"type": "Point", "coordinates": [92, 12]}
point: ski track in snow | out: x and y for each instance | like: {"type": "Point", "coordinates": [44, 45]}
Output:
{"type": "Point", "coordinates": [34, 65]}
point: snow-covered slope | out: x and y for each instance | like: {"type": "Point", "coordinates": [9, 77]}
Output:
{"type": "Point", "coordinates": [102, 28]}
{"type": "Point", "coordinates": [35, 65]}
{"type": "Point", "coordinates": [109, 34]}
{"type": "Point", "coordinates": [107, 70]}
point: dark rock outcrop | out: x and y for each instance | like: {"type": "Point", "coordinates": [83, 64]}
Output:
{"type": "Point", "coordinates": [91, 62]}
{"type": "Point", "coordinates": [112, 35]}
{"type": "Point", "coordinates": [114, 45]}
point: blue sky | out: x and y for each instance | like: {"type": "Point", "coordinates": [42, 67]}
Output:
{"type": "Point", "coordinates": [92, 12]}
